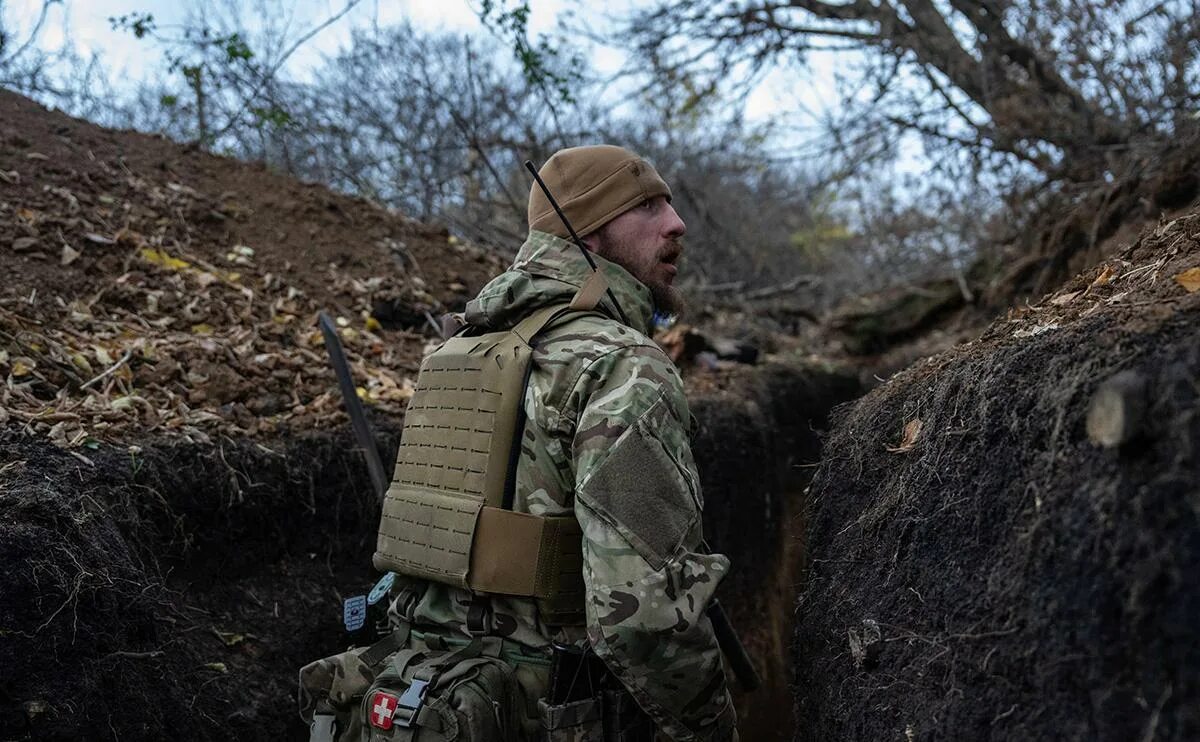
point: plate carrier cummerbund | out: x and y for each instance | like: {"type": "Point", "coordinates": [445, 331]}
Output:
{"type": "Point", "coordinates": [447, 515]}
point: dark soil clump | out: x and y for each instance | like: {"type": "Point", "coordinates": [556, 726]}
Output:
{"type": "Point", "coordinates": [979, 568]}
{"type": "Point", "coordinates": [173, 591]}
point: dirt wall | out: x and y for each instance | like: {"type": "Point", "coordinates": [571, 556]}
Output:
{"type": "Point", "coordinates": [980, 568]}
{"type": "Point", "coordinates": [175, 589]}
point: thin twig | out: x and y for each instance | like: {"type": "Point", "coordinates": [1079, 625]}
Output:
{"type": "Point", "coordinates": [132, 655]}
{"type": "Point", "coordinates": [108, 372]}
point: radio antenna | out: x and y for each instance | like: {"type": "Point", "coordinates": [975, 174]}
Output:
{"type": "Point", "coordinates": [574, 237]}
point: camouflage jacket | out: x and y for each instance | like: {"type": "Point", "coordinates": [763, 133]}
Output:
{"type": "Point", "coordinates": [606, 438]}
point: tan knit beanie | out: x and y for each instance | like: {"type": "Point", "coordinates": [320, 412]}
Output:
{"type": "Point", "coordinates": [593, 185]}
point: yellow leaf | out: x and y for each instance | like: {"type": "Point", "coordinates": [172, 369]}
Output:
{"type": "Point", "coordinates": [373, 324]}
{"type": "Point", "coordinates": [1189, 280]}
{"type": "Point", "coordinates": [81, 362]}
{"type": "Point", "coordinates": [22, 368]}
{"type": "Point", "coordinates": [230, 638]}
{"type": "Point", "coordinates": [202, 329]}
{"type": "Point", "coordinates": [912, 430]}
{"type": "Point", "coordinates": [161, 258]}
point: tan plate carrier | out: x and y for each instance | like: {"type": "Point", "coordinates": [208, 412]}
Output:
{"type": "Point", "coordinates": [447, 515]}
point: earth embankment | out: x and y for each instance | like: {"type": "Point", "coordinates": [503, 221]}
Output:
{"type": "Point", "coordinates": [987, 564]}
{"type": "Point", "coordinates": [189, 581]}
{"type": "Point", "coordinates": [182, 507]}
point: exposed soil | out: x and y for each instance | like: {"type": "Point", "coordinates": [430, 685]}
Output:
{"type": "Point", "coordinates": [756, 443]}
{"type": "Point", "coordinates": [182, 507]}
{"type": "Point", "coordinates": [156, 290]}
{"type": "Point", "coordinates": [173, 591]}
{"type": "Point", "coordinates": [990, 573]}
{"type": "Point", "coordinates": [176, 590]}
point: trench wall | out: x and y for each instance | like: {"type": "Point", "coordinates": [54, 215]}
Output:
{"type": "Point", "coordinates": [175, 590]}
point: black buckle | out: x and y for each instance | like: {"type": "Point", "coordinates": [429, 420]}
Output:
{"type": "Point", "coordinates": [479, 617]}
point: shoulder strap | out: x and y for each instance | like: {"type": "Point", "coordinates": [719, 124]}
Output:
{"type": "Point", "coordinates": [585, 300]}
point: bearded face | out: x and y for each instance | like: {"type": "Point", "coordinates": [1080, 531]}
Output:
{"type": "Point", "coordinates": [645, 241]}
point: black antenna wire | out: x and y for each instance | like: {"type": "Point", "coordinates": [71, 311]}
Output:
{"type": "Point", "coordinates": [574, 237]}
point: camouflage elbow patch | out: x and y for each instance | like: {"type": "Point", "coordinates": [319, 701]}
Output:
{"type": "Point", "coordinates": [641, 491]}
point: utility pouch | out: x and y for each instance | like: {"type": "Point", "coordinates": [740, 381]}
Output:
{"type": "Point", "coordinates": [586, 702]}
{"type": "Point", "coordinates": [331, 688]}
{"type": "Point", "coordinates": [610, 716]}
{"type": "Point", "coordinates": [421, 695]}
{"type": "Point", "coordinates": [575, 721]}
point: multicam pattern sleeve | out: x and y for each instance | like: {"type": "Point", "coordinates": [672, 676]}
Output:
{"type": "Point", "coordinates": [638, 501]}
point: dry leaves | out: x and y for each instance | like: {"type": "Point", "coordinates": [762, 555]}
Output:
{"type": "Point", "coordinates": [912, 431]}
{"type": "Point", "coordinates": [178, 347]}
{"type": "Point", "coordinates": [1189, 280]}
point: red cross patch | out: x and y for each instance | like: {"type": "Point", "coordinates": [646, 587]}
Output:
{"type": "Point", "coordinates": [383, 705]}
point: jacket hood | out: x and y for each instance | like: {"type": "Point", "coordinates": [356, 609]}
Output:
{"type": "Point", "coordinates": [549, 270]}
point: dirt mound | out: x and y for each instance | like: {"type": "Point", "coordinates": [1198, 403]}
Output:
{"type": "Point", "coordinates": [1076, 229]}
{"type": "Point", "coordinates": [153, 289]}
{"type": "Point", "coordinates": [979, 568]}
{"type": "Point", "coordinates": [173, 591]}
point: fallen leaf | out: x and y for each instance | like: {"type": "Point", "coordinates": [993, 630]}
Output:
{"type": "Point", "coordinates": [23, 367]}
{"type": "Point", "coordinates": [218, 666]}
{"type": "Point", "coordinates": [99, 239]}
{"type": "Point", "coordinates": [1065, 299]}
{"type": "Point", "coordinates": [161, 258]}
{"type": "Point", "coordinates": [1104, 278]}
{"type": "Point", "coordinates": [373, 324]}
{"type": "Point", "coordinates": [912, 430]}
{"type": "Point", "coordinates": [81, 362]}
{"type": "Point", "coordinates": [202, 329]}
{"type": "Point", "coordinates": [69, 255]}
{"type": "Point", "coordinates": [1035, 330]}
{"type": "Point", "coordinates": [36, 156]}
{"type": "Point", "coordinates": [24, 243]}
{"type": "Point", "coordinates": [10, 176]}
{"type": "Point", "coordinates": [230, 638]}
{"type": "Point", "coordinates": [1189, 280]}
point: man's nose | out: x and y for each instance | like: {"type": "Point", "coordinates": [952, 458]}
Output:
{"type": "Point", "coordinates": [674, 228]}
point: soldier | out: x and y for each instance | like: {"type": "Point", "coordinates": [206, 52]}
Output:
{"type": "Point", "coordinates": [605, 441]}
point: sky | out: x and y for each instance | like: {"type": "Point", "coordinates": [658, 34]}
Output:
{"type": "Point", "coordinates": [86, 24]}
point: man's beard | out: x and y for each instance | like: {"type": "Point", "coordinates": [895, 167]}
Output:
{"type": "Point", "coordinates": [667, 299]}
